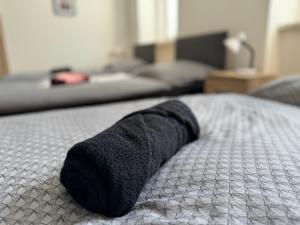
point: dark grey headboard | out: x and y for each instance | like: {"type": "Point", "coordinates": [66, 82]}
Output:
{"type": "Point", "coordinates": [204, 48]}
{"type": "Point", "coordinates": [208, 49]}
{"type": "Point", "coordinates": [145, 52]}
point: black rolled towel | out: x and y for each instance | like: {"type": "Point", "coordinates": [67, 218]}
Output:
{"type": "Point", "coordinates": [106, 173]}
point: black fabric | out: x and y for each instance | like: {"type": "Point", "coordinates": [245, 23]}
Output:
{"type": "Point", "coordinates": [106, 173]}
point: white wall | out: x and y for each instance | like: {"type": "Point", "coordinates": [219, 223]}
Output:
{"type": "Point", "coordinates": [289, 49]}
{"type": "Point", "coordinates": [36, 39]}
{"type": "Point", "coordinates": [146, 21]}
{"type": "Point", "coordinates": [157, 20]}
{"type": "Point", "coordinates": [281, 13]}
{"type": "Point", "coordinates": [204, 16]}
{"type": "Point", "coordinates": [3, 62]}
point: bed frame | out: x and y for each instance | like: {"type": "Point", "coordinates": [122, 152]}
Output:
{"type": "Point", "coordinates": [145, 52]}
{"type": "Point", "coordinates": [205, 48]}
{"type": "Point", "coordinates": [208, 49]}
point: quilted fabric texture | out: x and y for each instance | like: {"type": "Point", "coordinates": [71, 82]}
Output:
{"type": "Point", "coordinates": [245, 168]}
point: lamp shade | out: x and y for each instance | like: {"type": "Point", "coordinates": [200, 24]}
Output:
{"type": "Point", "coordinates": [234, 44]}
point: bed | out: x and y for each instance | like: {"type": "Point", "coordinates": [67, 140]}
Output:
{"type": "Point", "coordinates": [36, 93]}
{"type": "Point", "coordinates": [243, 169]}
{"type": "Point", "coordinates": [196, 56]}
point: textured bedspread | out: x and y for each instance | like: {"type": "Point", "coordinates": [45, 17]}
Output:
{"type": "Point", "coordinates": [245, 168]}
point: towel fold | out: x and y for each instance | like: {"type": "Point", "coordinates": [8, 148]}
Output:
{"type": "Point", "coordinates": [106, 173]}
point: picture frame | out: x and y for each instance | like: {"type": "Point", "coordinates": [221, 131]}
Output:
{"type": "Point", "coordinates": [64, 7]}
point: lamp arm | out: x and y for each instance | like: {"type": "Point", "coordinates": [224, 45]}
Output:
{"type": "Point", "coordinates": [252, 53]}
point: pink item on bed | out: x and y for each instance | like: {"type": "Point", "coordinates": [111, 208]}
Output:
{"type": "Point", "coordinates": [70, 78]}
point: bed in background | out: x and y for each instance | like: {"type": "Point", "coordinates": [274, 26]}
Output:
{"type": "Point", "coordinates": [195, 57]}
{"type": "Point", "coordinates": [244, 169]}
{"type": "Point", "coordinates": [38, 93]}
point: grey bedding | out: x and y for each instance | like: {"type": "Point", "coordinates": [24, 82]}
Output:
{"type": "Point", "coordinates": [244, 169]}
{"type": "Point", "coordinates": [21, 93]}
{"type": "Point", "coordinates": [25, 96]}
{"type": "Point", "coordinates": [177, 74]}
{"type": "Point", "coordinates": [24, 77]}
{"type": "Point", "coordinates": [125, 65]}
{"type": "Point", "coordinates": [286, 90]}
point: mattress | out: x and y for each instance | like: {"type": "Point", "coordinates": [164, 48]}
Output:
{"type": "Point", "coordinates": [20, 97]}
{"type": "Point", "coordinates": [244, 169]}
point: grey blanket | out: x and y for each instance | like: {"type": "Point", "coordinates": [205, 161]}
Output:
{"type": "Point", "coordinates": [244, 169]}
{"type": "Point", "coordinates": [26, 96]}
{"type": "Point", "coordinates": [286, 90]}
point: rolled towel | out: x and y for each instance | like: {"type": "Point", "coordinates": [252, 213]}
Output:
{"type": "Point", "coordinates": [106, 173]}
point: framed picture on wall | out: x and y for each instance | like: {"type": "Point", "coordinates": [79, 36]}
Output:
{"type": "Point", "coordinates": [64, 7]}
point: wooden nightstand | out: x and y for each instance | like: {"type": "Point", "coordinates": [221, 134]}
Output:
{"type": "Point", "coordinates": [232, 81]}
